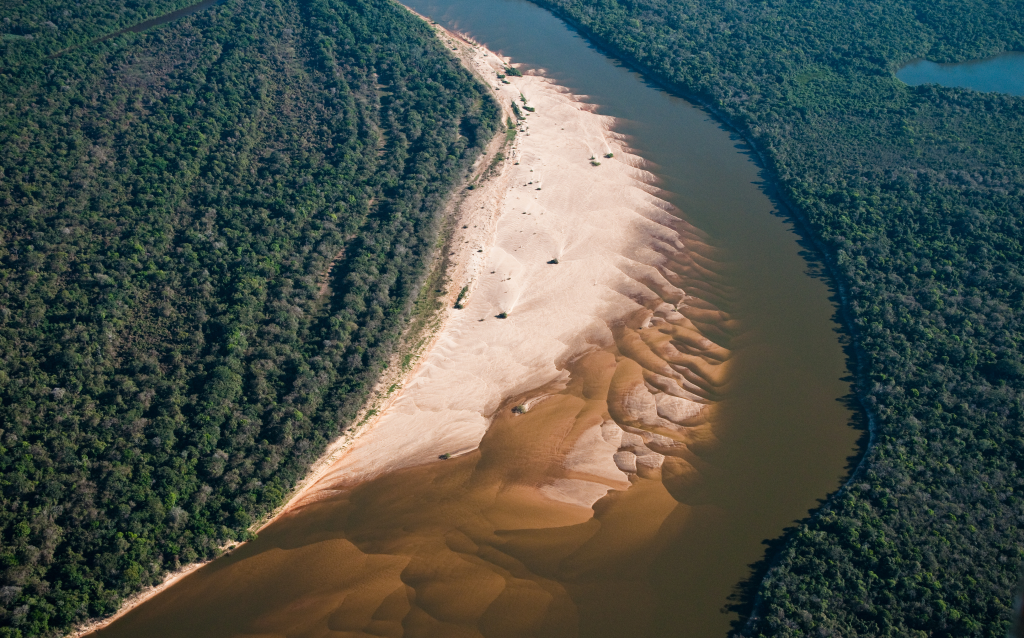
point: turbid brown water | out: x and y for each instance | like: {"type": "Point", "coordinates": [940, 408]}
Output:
{"type": "Point", "coordinates": [466, 547]}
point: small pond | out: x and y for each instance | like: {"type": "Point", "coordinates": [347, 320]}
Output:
{"type": "Point", "coordinates": [1002, 73]}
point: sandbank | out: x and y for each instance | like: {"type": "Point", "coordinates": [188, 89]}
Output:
{"type": "Point", "coordinates": [565, 248]}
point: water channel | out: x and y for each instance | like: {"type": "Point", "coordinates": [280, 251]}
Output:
{"type": "Point", "coordinates": [1003, 73]}
{"type": "Point", "coordinates": [647, 564]}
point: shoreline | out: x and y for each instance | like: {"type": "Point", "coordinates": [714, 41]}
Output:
{"type": "Point", "coordinates": [389, 387]}
{"type": "Point", "coordinates": [138, 598]}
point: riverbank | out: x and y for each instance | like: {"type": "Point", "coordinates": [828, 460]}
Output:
{"type": "Point", "coordinates": [137, 599]}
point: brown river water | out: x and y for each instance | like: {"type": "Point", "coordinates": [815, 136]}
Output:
{"type": "Point", "coordinates": [467, 547]}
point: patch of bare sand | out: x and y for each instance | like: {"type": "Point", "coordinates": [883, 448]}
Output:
{"type": "Point", "coordinates": [563, 247]}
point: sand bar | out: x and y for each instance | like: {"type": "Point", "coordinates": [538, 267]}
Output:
{"type": "Point", "coordinates": [561, 241]}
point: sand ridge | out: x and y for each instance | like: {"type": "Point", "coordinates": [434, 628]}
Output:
{"type": "Point", "coordinates": [562, 243]}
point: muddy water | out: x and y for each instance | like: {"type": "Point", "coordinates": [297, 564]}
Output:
{"type": "Point", "coordinates": [471, 547]}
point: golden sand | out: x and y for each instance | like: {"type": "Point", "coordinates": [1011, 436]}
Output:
{"type": "Point", "coordinates": [618, 248]}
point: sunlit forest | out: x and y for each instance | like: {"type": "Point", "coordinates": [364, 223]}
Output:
{"type": "Point", "coordinates": [212, 235]}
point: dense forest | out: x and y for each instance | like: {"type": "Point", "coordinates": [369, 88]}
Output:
{"type": "Point", "coordinates": [32, 31]}
{"type": "Point", "coordinates": [211, 236]}
{"type": "Point", "coordinates": [915, 195]}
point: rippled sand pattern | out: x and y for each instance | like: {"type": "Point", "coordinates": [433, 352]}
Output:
{"type": "Point", "coordinates": [492, 543]}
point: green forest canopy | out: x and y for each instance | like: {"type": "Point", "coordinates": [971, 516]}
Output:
{"type": "Point", "coordinates": [171, 203]}
{"type": "Point", "coordinates": [916, 197]}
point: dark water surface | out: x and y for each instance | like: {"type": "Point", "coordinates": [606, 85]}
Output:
{"type": "Point", "coordinates": [169, 17]}
{"type": "Point", "coordinates": [449, 550]}
{"type": "Point", "coordinates": [1002, 73]}
{"type": "Point", "coordinates": [148, 24]}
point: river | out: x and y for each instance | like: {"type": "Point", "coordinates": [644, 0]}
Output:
{"type": "Point", "coordinates": [653, 561]}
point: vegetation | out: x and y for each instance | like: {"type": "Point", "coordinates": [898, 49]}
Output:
{"type": "Point", "coordinates": [212, 235]}
{"type": "Point", "coordinates": [31, 31]}
{"type": "Point", "coordinates": [915, 195]}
